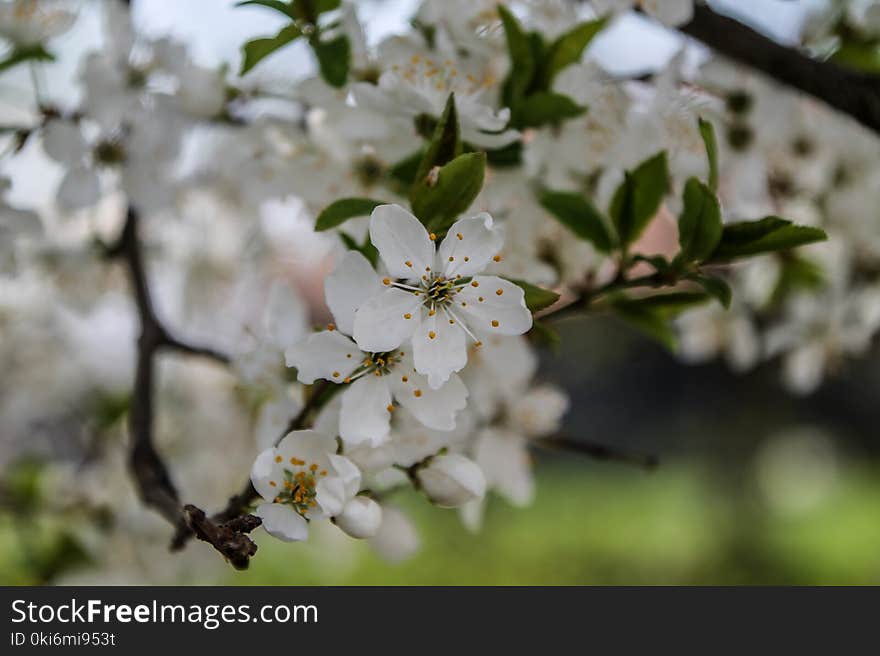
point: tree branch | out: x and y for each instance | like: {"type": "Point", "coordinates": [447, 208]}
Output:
{"type": "Point", "coordinates": [596, 451]}
{"type": "Point", "coordinates": [153, 480]}
{"type": "Point", "coordinates": [849, 91]}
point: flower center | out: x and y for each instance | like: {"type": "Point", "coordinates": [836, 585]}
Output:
{"type": "Point", "coordinates": [298, 490]}
{"type": "Point", "coordinates": [378, 364]}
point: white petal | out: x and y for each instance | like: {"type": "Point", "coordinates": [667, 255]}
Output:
{"type": "Point", "coordinates": [283, 522]}
{"type": "Point", "coordinates": [285, 316]}
{"type": "Point", "coordinates": [471, 243]}
{"type": "Point", "coordinates": [79, 188]}
{"type": "Point", "coordinates": [330, 495]}
{"type": "Point", "coordinates": [439, 349]}
{"type": "Point", "coordinates": [264, 472]}
{"type": "Point", "coordinates": [360, 518]}
{"type": "Point", "coordinates": [63, 142]}
{"type": "Point", "coordinates": [400, 238]}
{"type": "Point", "coordinates": [323, 354]}
{"type": "Point", "coordinates": [308, 445]}
{"type": "Point", "coordinates": [350, 284]}
{"type": "Point", "coordinates": [435, 408]}
{"type": "Point", "coordinates": [348, 472]}
{"type": "Point", "coordinates": [488, 139]}
{"type": "Point", "coordinates": [504, 459]}
{"type": "Point", "coordinates": [273, 418]}
{"type": "Point", "coordinates": [365, 416]}
{"type": "Point", "coordinates": [397, 538]}
{"type": "Point", "coordinates": [489, 313]}
{"type": "Point", "coordinates": [381, 323]}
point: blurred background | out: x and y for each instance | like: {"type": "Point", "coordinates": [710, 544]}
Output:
{"type": "Point", "coordinates": [753, 485]}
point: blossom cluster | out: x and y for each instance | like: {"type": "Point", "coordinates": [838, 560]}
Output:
{"type": "Point", "coordinates": [443, 187]}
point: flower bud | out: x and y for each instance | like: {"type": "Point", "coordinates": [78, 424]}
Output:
{"type": "Point", "coordinates": [360, 518]}
{"type": "Point", "coordinates": [397, 538]}
{"type": "Point", "coordinates": [452, 480]}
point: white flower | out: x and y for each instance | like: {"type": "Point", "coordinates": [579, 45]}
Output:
{"type": "Point", "coordinates": [375, 376]}
{"type": "Point", "coordinates": [360, 518]}
{"type": "Point", "coordinates": [422, 86]}
{"type": "Point", "coordinates": [441, 300]}
{"type": "Point", "coordinates": [301, 480]}
{"type": "Point", "coordinates": [30, 22]}
{"type": "Point", "coordinates": [452, 480]}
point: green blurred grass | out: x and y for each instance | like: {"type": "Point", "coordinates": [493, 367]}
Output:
{"type": "Point", "coordinates": [590, 524]}
{"type": "Point", "coordinates": [600, 525]}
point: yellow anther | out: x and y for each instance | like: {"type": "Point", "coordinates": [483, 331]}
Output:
{"type": "Point", "coordinates": [432, 334]}
{"type": "Point", "coordinates": [278, 458]}
{"type": "Point", "coordinates": [323, 472]}
{"type": "Point", "coordinates": [404, 379]}
{"type": "Point", "coordinates": [331, 327]}
{"type": "Point", "coordinates": [499, 292]}
{"type": "Point", "coordinates": [407, 316]}
{"type": "Point", "coordinates": [478, 343]}
{"type": "Point", "coordinates": [432, 237]}
{"type": "Point", "coordinates": [313, 467]}
{"type": "Point", "coordinates": [459, 235]}
{"type": "Point", "coordinates": [467, 259]}
{"type": "Point", "coordinates": [494, 323]}
{"type": "Point", "coordinates": [408, 263]}
{"type": "Point", "coordinates": [347, 380]}
{"type": "Point", "coordinates": [431, 313]}
{"type": "Point", "coordinates": [417, 393]}
{"type": "Point", "coordinates": [451, 322]}
{"type": "Point", "coordinates": [481, 299]}
{"type": "Point", "coordinates": [273, 483]}
{"type": "Point", "coordinates": [386, 281]}
{"type": "Point", "coordinates": [390, 407]}
{"type": "Point", "coordinates": [497, 258]}
{"type": "Point", "coordinates": [451, 259]}
{"type": "Point", "coordinates": [474, 283]}
{"type": "Point", "coordinates": [336, 374]}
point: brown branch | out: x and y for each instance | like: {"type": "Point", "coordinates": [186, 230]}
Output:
{"type": "Point", "coordinates": [597, 451]}
{"type": "Point", "coordinates": [153, 480]}
{"type": "Point", "coordinates": [849, 91]}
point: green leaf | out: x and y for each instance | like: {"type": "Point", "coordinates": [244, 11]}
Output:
{"type": "Point", "coordinates": [445, 144]}
{"type": "Point", "coordinates": [707, 131]}
{"type": "Point", "coordinates": [29, 53]}
{"type": "Point", "coordinates": [578, 214]}
{"type": "Point", "coordinates": [645, 320]}
{"type": "Point", "coordinates": [545, 107]}
{"type": "Point", "coordinates": [568, 48]}
{"type": "Point", "coordinates": [326, 5]}
{"type": "Point", "coordinates": [438, 199]}
{"type": "Point", "coordinates": [333, 59]}
{"type": "Point", "coordinates": [253, 52]}
{"type": "Point", "coordinates": [652, 314]}
{"type": "Point", "coordinates": [537, 298]}
{"type": "Point", "coordinates": [716, 287]}
{"type": "Point", "coordinates": [522, 61]}
{"type": "Point", "coordinates": [544, 333]}
{"type": "Point", "coordinates": [671, 304]}
{"type": "Point", "coordinates": [344, 209]}
{"type": "Point", "coordinates": [764, 236]}
{"type": "Point", "coordinates": [638, 198]}
{"type": "Point", "coordinates": [285, 8]}
{"type": "Point", "coordinates": [699, 226]}
{"type": "Point", "coordinates": [366, 249]}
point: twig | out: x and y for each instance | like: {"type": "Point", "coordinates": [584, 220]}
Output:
{"type": "Point", "coordinates": [597, 451]}
{"type": "Point", "coordinates": [852, 92]}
